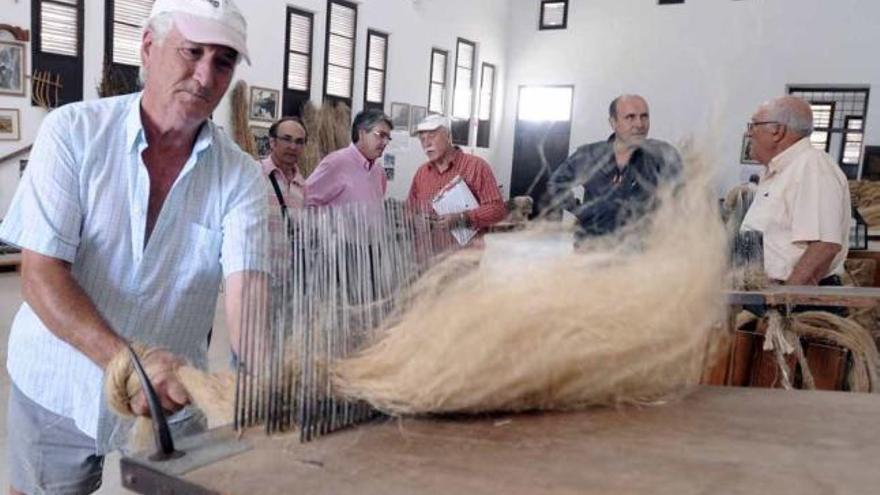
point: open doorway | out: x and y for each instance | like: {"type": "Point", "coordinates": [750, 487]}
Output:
{"type": "Point", "coordinates": [541, 139]}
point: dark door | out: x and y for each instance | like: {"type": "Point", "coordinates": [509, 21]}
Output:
{"type": "Point", "coordinates": [541, 139]}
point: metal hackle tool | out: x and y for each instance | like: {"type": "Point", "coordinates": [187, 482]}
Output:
{"type": "Point", "coordinates": [161, 433]}
{"type": "Point", "coordinates": [337, 273]}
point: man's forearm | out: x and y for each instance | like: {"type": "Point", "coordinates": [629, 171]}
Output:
{"type": "Point", "coordinates": [486, 214]}
{"type": "Point", "coordinates": [63, 306]}
{"type": "Point", "coordinates": [814, 264]}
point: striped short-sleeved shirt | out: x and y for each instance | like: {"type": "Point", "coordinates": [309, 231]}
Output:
{"type": "Point", "coordinates": [83, 199]}
{"type": "Point", "coordinates": [478, 176]}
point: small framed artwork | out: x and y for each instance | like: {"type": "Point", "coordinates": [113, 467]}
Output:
{"type": "Point", "coordinates": [10, 125]}
{"type": "Point", "coordinates": [12, 68]}
{"type": "Point", "coordinates": [264, 104]}
{"type": "Point", "coordinates": [400, 116]}
{"type": "Point", "coordinates": [261, 139]}
{"type": "Point", "coordinates": [416, 114]}
{"type": "Point", "coordinates": [746, 152]}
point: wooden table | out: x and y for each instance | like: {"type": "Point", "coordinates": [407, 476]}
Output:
{"type": "Point", "coordinates": [790, 295]}
{"type": "Point", "coordinates": [719, 440]}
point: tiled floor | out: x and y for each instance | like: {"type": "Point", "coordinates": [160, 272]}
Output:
{"type": "Point", "coordinates": [10, 300]}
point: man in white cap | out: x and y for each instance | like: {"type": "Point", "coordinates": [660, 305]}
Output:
{"type": "Point", "coordinates": [445, 162]}
{"type": "Point", "coordinates": [122, 217]}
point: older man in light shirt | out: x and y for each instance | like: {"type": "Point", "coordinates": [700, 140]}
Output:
{"type": "Point", "coordinates": [802, 203]}
{"type": "Point", "coordinates": [131, 211]}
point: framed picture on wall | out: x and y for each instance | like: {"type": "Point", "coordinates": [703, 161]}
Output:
{"type": "Point", "coordinates": [12, 69]}
{"type": "Point", "coordinates": [400, 116]}
{"type": "Point", "coordinates": [264, 104]}
{"type": "Point", "coordinates": [416, 114]}
{"type": "Point", "coordinates": [10, 125]}
{"type": "Point", "coordinates": [261, 139]}
{"type": "Point", "coordinates": [746, 152]}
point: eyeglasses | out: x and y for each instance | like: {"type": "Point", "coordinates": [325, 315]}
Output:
{"type": "Point", "coordinates": [750, 126]}
{"type": "Point", "coordinates": [384, 136]}
{"type": "Point", "coordinates": [224, 61]}
{"type": "Point", "coordinates": [291, 140]}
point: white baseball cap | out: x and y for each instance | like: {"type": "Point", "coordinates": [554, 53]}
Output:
{"type": "Point", "coordinates": [433, 122]}
{"type": "Point", "coordinates": [214, 22]}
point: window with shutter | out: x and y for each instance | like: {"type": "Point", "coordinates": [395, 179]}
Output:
{"type": "Point", "coordinates": [297, 61]}
{"type": "Point", "coordinates": [839, 114]}
{"type": "Point", "coordinates": [59, 27]}
{"type": "Point", "coordinates": [487, 96]}
{"type": "Point", "coordinates": [851, 152]}
{"type": "Point", "coordinates": [127, 18]}
{"type": "Point", "coordinates": [123, 25]}
{"type": "Point", "coordinates": [376, 68]}
{"type": "Point", "coordinates": [463, 90]}
{"type": "Point", "coordinates": [437, 81]}
{"type": "Point", "coordinates": [58, 43]}
{"type": "Point", "coordinates": [339, 66]}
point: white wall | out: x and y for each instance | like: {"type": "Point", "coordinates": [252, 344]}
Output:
{"type": "Point", "coordinates": [414, 27]}
{"type": "Point", "coordinates": [703, 66]}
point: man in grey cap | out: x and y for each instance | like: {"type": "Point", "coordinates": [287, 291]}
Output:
{"type": "Point", "coordinates": [122, 217]}
{"type": "Point", "coordinates": [446, 162]}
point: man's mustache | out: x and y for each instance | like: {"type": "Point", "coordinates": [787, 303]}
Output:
{"type": "Point", "coordinates": [195, 89]}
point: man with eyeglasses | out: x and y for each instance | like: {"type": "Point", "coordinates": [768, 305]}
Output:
{"type": "Point", "coordinates": [620, 176]}
{"type": "Point", "coordinates": [802, 204]}
{"type": "Point", "coordinates": [445, 162]}
{"type": "Point", "coordinates": [351, 175]}
{"type": "Point", "coordinates": [287, 141]}
{"type": "Point", "coordinates": [132, 210]}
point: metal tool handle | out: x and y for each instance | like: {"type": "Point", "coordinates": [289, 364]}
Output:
{"type": "Point", "coordinates": [161, 432]}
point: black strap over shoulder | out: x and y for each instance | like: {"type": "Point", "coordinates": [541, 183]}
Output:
{"type": "Point", "coordinates": [278, 194]}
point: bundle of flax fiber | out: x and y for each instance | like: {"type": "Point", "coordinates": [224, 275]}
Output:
{"type": "Point", "coordinates": [212, 393]}
{"type": "Point", "coordinates": [630, 320]}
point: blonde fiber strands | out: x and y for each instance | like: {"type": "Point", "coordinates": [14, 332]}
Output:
{"type": "Point", "coordinates": [240, 131]}
{"type": "Point", "coordinates": [212, 393]}
{"type": "Point", "coordinates": [329, 128]}
{"type": "Point", "coordinates": [628, 319]}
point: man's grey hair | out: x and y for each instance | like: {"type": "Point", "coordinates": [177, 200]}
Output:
{"type": "Point", "coordinates": [793, 113]}
{"type": "Point", "coordinates": [366, 120]}
{"type": "Point", "coordinates": [160, 26]}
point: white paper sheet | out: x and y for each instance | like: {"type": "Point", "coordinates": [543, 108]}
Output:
{"type": "Point", "coordinates": [456, 197]}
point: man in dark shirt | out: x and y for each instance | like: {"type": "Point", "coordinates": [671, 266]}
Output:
{"type": "Point", "coordinates": [620, 175]}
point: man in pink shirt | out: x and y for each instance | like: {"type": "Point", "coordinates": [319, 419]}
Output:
{"type": "Point", "coordinates": [287, 140]}
{"type": "Point", "coordinates": [350, 175]}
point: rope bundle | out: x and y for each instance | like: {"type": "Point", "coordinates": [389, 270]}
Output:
{"type": "Point", "coordinates": [784, 335]}
{"type": "Point", "coordinates": [212, 393]}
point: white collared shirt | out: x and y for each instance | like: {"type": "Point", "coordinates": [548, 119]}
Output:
{"type": "Point", "coordinates": [803, 197]}
{"type": "Point", "coordinates": [83, 199]}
